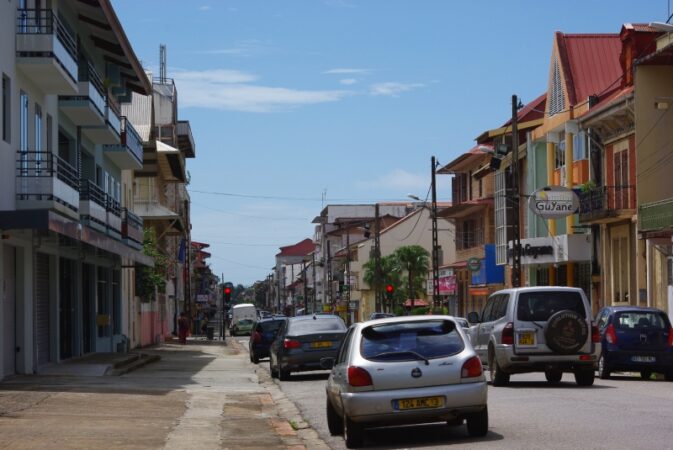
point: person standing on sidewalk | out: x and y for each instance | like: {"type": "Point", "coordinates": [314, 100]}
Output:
{"type": "Point", "coordinates": [183, 328]}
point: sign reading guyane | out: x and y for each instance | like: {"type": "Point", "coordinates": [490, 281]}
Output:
{"type": "Point", "coordinates": [553, 202]}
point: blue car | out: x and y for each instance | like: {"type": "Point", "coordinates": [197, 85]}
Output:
{"type": "Point", "coordinates": [263, 333]}
{"type": "Point", "coordinates": [635, 339]}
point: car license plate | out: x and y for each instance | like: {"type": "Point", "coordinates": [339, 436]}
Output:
{"type": "Point", "coordinates": [321, 344]}
{"type": "Point", "coordinates": [649, 359]}
{"type": "Point", "coordinates": [527, 338]}
{"type": "Point", "coordinates": [418, 403]}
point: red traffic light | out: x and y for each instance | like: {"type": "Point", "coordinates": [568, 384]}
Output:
{"type": "Point", "coordinates": [389, 288]}
{"type": "Point", "coordinates": [227, 290]}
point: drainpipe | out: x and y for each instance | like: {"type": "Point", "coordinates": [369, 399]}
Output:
{"type": "Point", "coordinates": [648, 269]}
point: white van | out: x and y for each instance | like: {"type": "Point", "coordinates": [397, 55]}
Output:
{"type": "Point", "coordinates": [242, 317]}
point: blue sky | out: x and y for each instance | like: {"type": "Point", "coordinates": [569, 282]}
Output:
{"type": "Point", "coordinates": [299, 103]}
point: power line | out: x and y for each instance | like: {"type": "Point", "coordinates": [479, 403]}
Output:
{"type": "Point", "coordinates": [248, 215]}
{"type": "Point", "coordinates": [300, 199]}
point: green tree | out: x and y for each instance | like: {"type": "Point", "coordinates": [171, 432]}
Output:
{"type": "Point", "coordinates": [149, 278]}
{"type": "Point", "coordinates": [412, 261]}
{"type": "Point", "coordinates": [389, 273]}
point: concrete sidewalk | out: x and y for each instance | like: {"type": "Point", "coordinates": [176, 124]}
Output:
{"type": "Point", "coordinates": [200, 395]}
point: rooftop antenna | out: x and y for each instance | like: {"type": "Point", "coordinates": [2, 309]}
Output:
{"type": "Point", "coordinates": [162, 63]}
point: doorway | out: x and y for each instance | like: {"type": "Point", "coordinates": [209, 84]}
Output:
{"type": "Point", "coordinates": [9, 312]}
{"type": "Point", "coordinates": [66, 307]}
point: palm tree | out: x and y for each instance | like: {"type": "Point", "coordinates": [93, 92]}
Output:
{"type": "Point", "coordinates": [413, 259]}
{"type": "Point", "coordinates": [389, 273]}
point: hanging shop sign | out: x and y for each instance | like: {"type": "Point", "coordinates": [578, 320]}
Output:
{"type": "Point", "coordinates": [473, 264]}
{"type": "Point", "coordinates": [554, 202]}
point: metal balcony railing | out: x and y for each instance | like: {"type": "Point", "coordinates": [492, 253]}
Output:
{"type": "Point", "coordinates": [43, 176]}
{"type": "Point", "coordinates": [656, 216]}
{"type": "Point", "coordinates": [113, 115]}
{"type": "Point", "coordinates": [87, 72]}
{"type": "Point", "coordinates": [131, 139]}
{"type": "Point", "coordinates": [44, 21]}
{"type": "Point", "coordinates": [90, 191]}
{"type": "Point", "coordinates": [605, 200]}
{"type": "Point", "coordinates": [113, 206]}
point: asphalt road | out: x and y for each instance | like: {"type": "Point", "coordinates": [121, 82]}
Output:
{"type": "Point", "coordinates": [621, 413]}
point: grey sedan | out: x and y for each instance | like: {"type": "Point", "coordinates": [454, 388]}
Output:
{"type": "Point", "coordinates": [303, 341]}
{"type": "Point", "coordinates": [405, 370]}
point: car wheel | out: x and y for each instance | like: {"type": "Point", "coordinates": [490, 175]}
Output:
{"type": "Point", "coordinates": [274, 374]}
{"type": "Point", "coordinates": [283, 374]}
{"type": "Point", "coordinates": [668, 376]}
{"type": "Point", "coordinates": [335, 423]}
{"type": "Point", "coordinates": [645, 374]}
{"type": "Point", "coordinates": [254, 358]}
{"type": "Point", "coordinates": [353, 433]}
{"type": "Point", "coordinates": [498, 377]}
{"type": "Point", "coordinates": [477, 423]}
{"type": "Point", "coordinates": [553, 376]}
{"type": "Point", "coordinates": [603, 370]}
{"type": "Point", "coordinates": [584, 377]}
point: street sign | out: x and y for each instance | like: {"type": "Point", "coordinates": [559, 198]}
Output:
{"type": "Point", "coordinates": [554, 202]}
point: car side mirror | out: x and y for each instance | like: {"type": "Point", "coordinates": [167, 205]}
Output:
{"type": "Point", "coordinates": [327, 362]}
{"type": "Point", "coordinates": [473, 317]}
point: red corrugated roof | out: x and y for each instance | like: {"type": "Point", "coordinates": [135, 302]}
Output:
{"type": "Point", "coordinates": [302, 248]}
{"type": "Point", "coordinates": [590, 63]}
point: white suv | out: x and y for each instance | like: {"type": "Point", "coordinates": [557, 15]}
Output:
{"type": "Point", "coordinates": [537, 329]}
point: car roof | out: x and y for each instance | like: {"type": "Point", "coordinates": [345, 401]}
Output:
{"type": "Point", "coordinates": [314, 316]}
{"type": "Point", "coordinates": [537, 289]}
{"type": "Point", "coordinates": [419, 318]}
{"type": "Point", "coordinates": [631, 308]}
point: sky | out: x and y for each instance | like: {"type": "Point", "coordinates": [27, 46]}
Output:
{"type": "Point", "coordinates": [298, 104]}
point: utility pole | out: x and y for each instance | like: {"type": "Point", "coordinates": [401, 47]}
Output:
{"type": "Point", "coordinates": [516, 250]}
{"type": "Point", "coordinates": [347, 284]}
{"type": "Point", "coordinates": [223, 313]}
{"type": "Point", "coordinates": [303, 266]}
{"type": "Point", "coordinates": [435, 239]}
{"type": "Point", "coordinates": [378, 300]}
{"type": "Point", "coordinates": [315, 285]}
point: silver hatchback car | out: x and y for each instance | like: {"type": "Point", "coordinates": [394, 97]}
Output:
{"type": "Point", "coordinates": [405, 370]}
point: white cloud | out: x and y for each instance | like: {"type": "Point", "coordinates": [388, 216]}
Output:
{"type": "Point", "coordinates": [247, 47]}
{"type": "Point", "coordinates": [398, 179]}
{"type": "Point", "coordinates": [204, 8]}
{"type": "Point", "coordinates": [348, 81]}
{"type": "Point", "coordinates": [343, 71]}
{"type": "Point", "coordinates": [392, 89]}
{"type": "Point", "coordinates": [231, 90]}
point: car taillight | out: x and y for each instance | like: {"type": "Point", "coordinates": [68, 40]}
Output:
{"type": "Point", "coordinates": [508, 334]}
{"type": "Point", "coordinates": [291, 343]}
{"type": "Point", "coordinates": [358, 377]}
{"type": "Point", "coordinates": [595, 334]}
{"type": "Point", "coordinates": [610, 334]}
{"type": "Point", "coordinates": [670, 337]}
{"type": "Point", "coordinates": [472, 368]}
{"type": "Point", "coordinates": [256, 337]}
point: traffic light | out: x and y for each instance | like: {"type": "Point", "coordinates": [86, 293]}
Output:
{"type": "Point", "coordinates": [390, 290]}
{"type": "Point", "coordinates": [227, 293]}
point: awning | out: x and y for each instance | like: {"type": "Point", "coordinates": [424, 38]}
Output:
{"type": "Point", "coordinates": [457, 264]}
{"type": "Point", "coordinates": [43, 219]}
{"type": "Point", "coordinates": [171, 163]}
{"type": "Point", "coordinates": [417, 302]}
{"type": "Point", "coordinates": [149, 211]}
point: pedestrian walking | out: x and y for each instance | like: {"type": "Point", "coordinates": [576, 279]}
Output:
{"type": "Point", "coordinates": [183, 328]}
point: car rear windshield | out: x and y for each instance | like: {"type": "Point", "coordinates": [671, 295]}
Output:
{"type": "Point", "coordinates": [539, 306]}
{"type": "Point", "coordinates": [640, 320]}
{"type": "Point", "coordinates": [318, 325]}
{"type": "Point", "coordinates": [406, 341]}
{"type": "Point", "coordinates": [245, 322]}
{"type": "Point", "coordinates": [272, 325]}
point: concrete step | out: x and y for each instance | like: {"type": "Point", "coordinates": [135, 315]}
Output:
{"type": "Point", "coordinates": [135, 361]}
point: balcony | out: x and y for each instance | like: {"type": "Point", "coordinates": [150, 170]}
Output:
{"type": "Point", "coordinates": [656, 216]}
{"type": "Point", "coordinates": [93, 206]}
{"type": "Point", "coordinates": [469, 239]}
{"type": "Point", "coordinates": [580, 173]}
{"type": "Point", "coordinates": [128, 154]}
{"type": "Point", "coordinates": [87, 108]}
{"type": "Point", "coordinates": [132, 229]}
{"type": "Point", "coordinates": [185, 139]}
{"type": "Point", "coordinates": [605, 204]}
{"type": "Point", "coordinates": [45, 181]}
{"type": "Point", "coordinates": [114, 218]}
{"type": "Point", "coordinates": [110, 132]}
{"type": "Point", "coordinates": [46, 52]}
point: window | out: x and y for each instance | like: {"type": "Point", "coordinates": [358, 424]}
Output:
{"type": "Point", "coordinates": [560, 155]}
{"type": "Point", "coordinates": [621, 177]}
{"type": "Point", "coordinates": [37, 125]}
{"type": "Point", "coordinates": [486, 313]}
{"type": "Point", "coordinates": [540, 306]}
{"type": "Point", "coordinates": [411, 341]}
{"type": "Point", "coordinates": [50, 132]}
{"type": "Point", "coordinates": [6, 109]}
{"type": "Point", "coordinates": [556, 97]}
{"type": "Point", "coordinates": [23, 121]}
{"type": "Point", "coordinates": [343, 351]}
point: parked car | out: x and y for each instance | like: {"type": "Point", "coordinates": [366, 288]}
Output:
{"type": "Point", "coordinates": [463, 322]}
{"type": "Point", "coordinates": [380, 315]}
{"type": "Point", "coordinates": [303, 341]}
{"type": "Point", "coordinates": [264, 332]}
{"type": "Point", "coordinates": [242, 326]}
{"type": "Point", "coordinates": [405, 370]}
{"type": "Point", "coordinates": [537, 329]}
{"type": "Point", "coordinates": [635, 339]}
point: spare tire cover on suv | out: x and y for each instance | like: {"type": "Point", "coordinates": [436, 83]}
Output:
{"type": "Point", "coordinates": [566, 332]}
